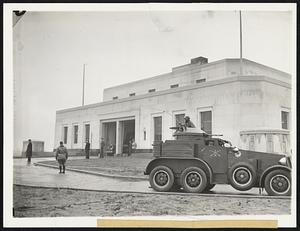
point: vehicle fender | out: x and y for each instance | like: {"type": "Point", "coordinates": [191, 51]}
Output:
{"type": "Point", "coordinates": [268, 170]}
{"type": "Point", "coordinates": [246, 164]}
{"type": "Point", "coordinates": [208, 169]}
{"type": "Point", "coordinates": [152, 164]}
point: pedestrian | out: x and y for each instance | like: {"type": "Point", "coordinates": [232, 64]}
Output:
{"type": "Point", "coordinates": [133, 145]}
{"type": "Point", "coordinates": [61, 157]}
{"type": "Point", "coordinates": [102, 148]}
{"type": "Point", "coordinates": [87, 150]}
{"type": "Point", "coordinates": [29, 151]}
{"type": "Point", "coordinates": [129, 146]}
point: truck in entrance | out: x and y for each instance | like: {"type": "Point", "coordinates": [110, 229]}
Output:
{"type": "Point", "coordinates": [195, 162]}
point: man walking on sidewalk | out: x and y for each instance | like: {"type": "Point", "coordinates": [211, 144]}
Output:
{"type": "Point", "coordinates": [61, 157]}
{"type": "Point", "coordinates": [29, 151]}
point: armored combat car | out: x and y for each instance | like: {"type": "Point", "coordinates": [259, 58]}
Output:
{"type": "Point", "coordinates": [196, 162]}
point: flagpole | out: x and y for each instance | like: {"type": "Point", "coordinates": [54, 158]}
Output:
{"type": "Point", "coordinates": [83, 84]}
{"type": "Point", "coordinates": [241, 45]}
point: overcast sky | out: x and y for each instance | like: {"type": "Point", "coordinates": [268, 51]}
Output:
{"type": "Point", "coordinates": [50, 49]}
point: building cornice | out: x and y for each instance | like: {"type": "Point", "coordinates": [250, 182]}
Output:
{"type": "Point", "coordinates": [181, 89]}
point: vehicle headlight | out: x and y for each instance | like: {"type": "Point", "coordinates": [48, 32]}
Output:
{"type": "Point", "coordinates": [235, 149]}
{"type": "Point", "coordinates": [283, 161]}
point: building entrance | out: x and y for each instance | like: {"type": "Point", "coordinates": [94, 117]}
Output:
{"type": "Point", "coordinates": [127, 133]}
{"type": "Point", "coordinates": [109, 135]}
{"type": "Point", "coordinates": [117, 135]}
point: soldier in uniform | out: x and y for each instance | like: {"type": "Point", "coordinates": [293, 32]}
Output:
{"type": "Point", "coordinates": [61, 157]}
{"type": "Point", "coordinates": [87, 150]}
{"type": "Point", "coordinates": [129, 147]}
{"type": "Point", "coordinates": [188, 123]}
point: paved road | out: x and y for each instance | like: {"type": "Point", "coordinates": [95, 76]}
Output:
{"type": "Point", "coordinates": [41, 176]}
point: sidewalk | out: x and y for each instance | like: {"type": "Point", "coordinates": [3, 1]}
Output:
{"type": "Point", "coordinates": [38, 176]}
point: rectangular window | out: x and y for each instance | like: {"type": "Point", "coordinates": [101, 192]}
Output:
{"type": "Point", "coordinates": [65, 135]}
{"type": "Point", "coordinates": [132, 94]}
{"type": "Point", "coordinates": [284, 119]}
{"type": "Point", "coordinates": [179, 118]}
{"type": "Point", "coordinates": [251, 143]}
{"type": "Point", "coordinates": [87, 133]}
{"type": "Point", "coordinates": [115, 97]}
{"type": "Point", "coordinates": [157, 128]}
{"type": "Point", "coordinates": [75, 134]}
{"type": "Point", "coordinates": [206, 121]}
{"type": "Point", "coordinates": [151, 90]}
{"type": "Point", "coordinates": [270, 143]}
{"type": "Point", "coordinates": [174, 85]}
{"type": "Point", "coordinates": [200, 80]}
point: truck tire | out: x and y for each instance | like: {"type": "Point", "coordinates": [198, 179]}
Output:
{"type": "Point", "coordinates": [193, 180]}
{"type": "Point", "coordinates": [242, 176]}
{"type": "Point", "coordinates": [161, 178]}
{"type": "Point", "coordinates": [278, 183]}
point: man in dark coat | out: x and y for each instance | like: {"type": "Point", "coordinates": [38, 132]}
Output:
{"type": "Point", "coordinates": [102, 148]}
{"type": "Point", "coordinates": [61, 157]}
{"type": "Point", "coordinates": [87, 150]}
{"type": "Point", "coordinates": [29, 151]}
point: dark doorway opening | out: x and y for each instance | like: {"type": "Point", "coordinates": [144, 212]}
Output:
{"type": "Point", "coordinates": [128, 127]}
{"type": "Point", "coordinates": [109, 135]}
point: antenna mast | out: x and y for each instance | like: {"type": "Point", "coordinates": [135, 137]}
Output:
{"type": "Point", "coordinates": [83, 84]}
{"type": "Point", "coordinates": [241, 45]}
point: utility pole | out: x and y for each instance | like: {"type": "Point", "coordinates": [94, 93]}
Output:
{"type": "Point", "coordinates": [241, 45]}
{"type": "Point", "coordinates": [83, 84]}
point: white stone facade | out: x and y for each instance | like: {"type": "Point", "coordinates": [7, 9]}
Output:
{"type": "Point", "coordinates": [246, 109]}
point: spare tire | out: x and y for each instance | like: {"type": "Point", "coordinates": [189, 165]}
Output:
{"type": "Point", "coordinates": [242, 176]}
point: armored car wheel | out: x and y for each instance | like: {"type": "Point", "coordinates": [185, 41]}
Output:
{"type": "Point", "coordinates": [193, 180]}
{"type": "Point", "coordinates": [278, 183]}
{"type": "Point", "coordinates": [242, 176]}
{"type": "Point", "coordinates": [161, 178]}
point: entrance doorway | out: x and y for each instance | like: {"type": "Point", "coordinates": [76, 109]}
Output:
{"type": "Point", "coordinates": [109, 135]}
{"type": "Point", "coordinates": [127, 128]}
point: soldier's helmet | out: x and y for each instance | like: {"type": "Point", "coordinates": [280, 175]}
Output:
{"type": "Point", "coordinates": [187, 118]}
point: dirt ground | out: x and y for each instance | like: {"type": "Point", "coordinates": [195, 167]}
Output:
{"type": "Point", "coordinates": [43, 202]}
{"type": "Point", "coordinates": [134, 165]}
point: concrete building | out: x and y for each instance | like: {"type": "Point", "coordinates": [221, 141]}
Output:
{"type": "Point", "coordinates": [251, 109]}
